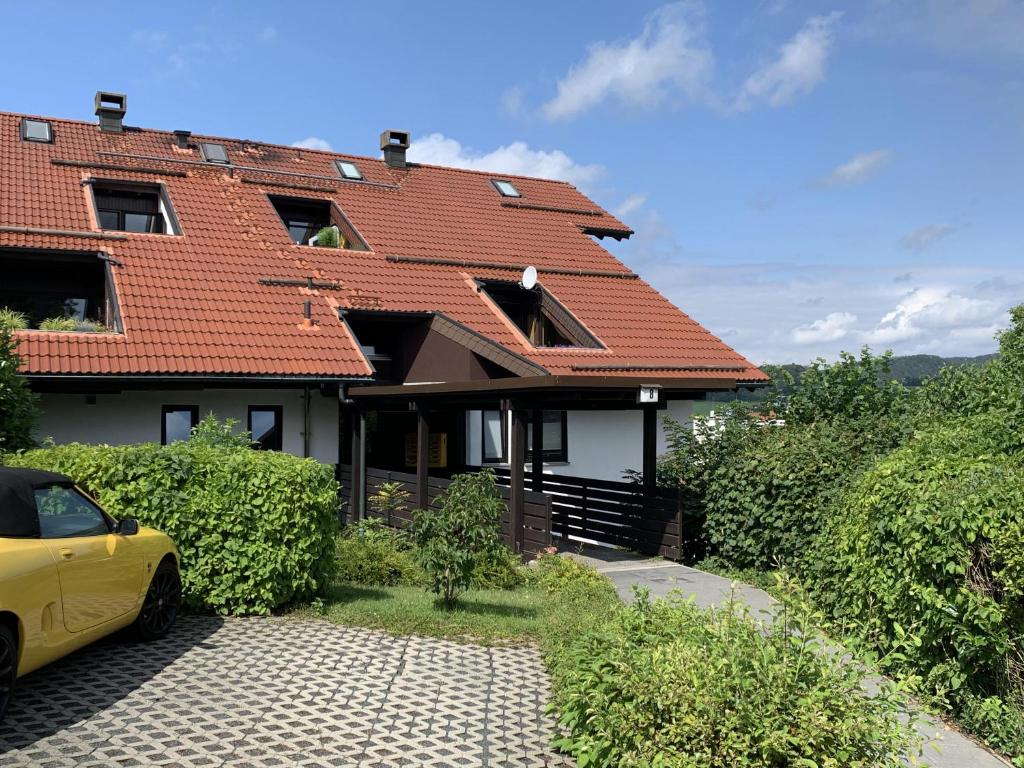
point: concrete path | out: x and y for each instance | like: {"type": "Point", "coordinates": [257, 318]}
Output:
{"type": "Point", "coordinates": [288, 693]}
{"type": "Point", "coordinates": [944, 746]}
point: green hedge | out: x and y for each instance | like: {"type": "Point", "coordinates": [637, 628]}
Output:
{"type": "Point", "coordinates": [256, 529]}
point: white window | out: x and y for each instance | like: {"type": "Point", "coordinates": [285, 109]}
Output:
{"type": "Point", "coordinates": [36, 130]}
{"type": "Point", "coordinates": [505, 188]}
{"type": "Point", "coordinates": [493, 437]}
{"type": "Point", "coordinates": [348, 170]}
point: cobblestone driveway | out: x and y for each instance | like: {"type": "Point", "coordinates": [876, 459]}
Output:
{"type": "Point", "coordinates": [275, 692]}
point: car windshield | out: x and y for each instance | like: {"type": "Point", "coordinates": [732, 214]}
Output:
{"type": "Point", "coordinates": [64, 512]}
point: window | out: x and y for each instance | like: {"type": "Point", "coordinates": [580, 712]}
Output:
{"type": "Point", "coordinates": [36, 130]}
{"type": "Point", "coordinates": [214, 153]}
{"type": "Point", "coordinates": [505, 188]}
{"type": "Point", "coordinates": [45, 284]}
{"type": "Point", "coordinates": [536, 313]}
{"type": "Point", "coordinates": [64, 512]}
{"type": "Point", "coordinates": [348, 170]}
{"type": "Point", "coordinates": [265, 427]}
{"type": "Point", "coordinates": [133, 207]}
{"type": "Point", "coordinates": [177, 422]}
{"type": "Point", "coordinates": [304, 218]}
{"type": "Point", "coordinates": [494, 437]}
{"type": "Point", "coordinates": [555, 437]}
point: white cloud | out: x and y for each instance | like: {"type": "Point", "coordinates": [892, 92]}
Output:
{"type": "Point", "coordinates": [798, 69]}
{"type": "Point", "coordinates": [858, 169]}
{"type": "Point", "coordinates": [313, 142]}
{"type": "Point", "coordinates": [921, 238]}
{"type": "Point", "coordinates": [630, 204]}
{"type": "Point", "coordinates": [835, 326]}
{"type": "Point", "coordinates": [931, 308]}
{"type": "Point", "coordinates": [515, 158]}
{"type": "Point", "coordinates": [670, 57]}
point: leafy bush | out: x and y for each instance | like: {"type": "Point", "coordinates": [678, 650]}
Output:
{"type": "Point", "coordinates": [451, 540]}
{"type": "Point", "coordinates": [223, 434]}
{"type": "Point", "coordinates": [19, 406]}
{"type": "Point", "coordinates": [667, 684]}
{"type": "Point", "coordinates": [498, 568]}
{"type": "Point", "coordinates": [58, 324]}
{"type": "Point", "coordinates": [11, 320]}
{"type": "Point", "coordinates": [924, 557]}
{"type": "Point", "coordinates": [329, 237]}
{"type": "Point", "coordinates": [255, 529]}
{"type": "Point", "coordinates": [370, 553]}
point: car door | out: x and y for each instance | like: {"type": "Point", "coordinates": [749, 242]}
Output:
{"type": "Point", "coordinates": [100, 572]}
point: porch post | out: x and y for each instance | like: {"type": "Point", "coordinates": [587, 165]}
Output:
{"type": "Point", "coordinates": [517, 458]}
{"type": "Point", "coordinates": [422, 457]}
{"type": "Point", "coordinates": [357, 426]}
{"type": "Point", "coordinates": [537, 466]}
{"type": "Point", "coordinates": [650, 454]}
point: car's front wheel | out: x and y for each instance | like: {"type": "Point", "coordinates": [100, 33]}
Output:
{"type": "Point", "coordinates": [163, 601]}
{"type": "Point", "coordinates": [8, 667]}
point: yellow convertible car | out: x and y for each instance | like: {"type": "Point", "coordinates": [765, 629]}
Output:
{"type": "Point", "coordinates": [70, 574]}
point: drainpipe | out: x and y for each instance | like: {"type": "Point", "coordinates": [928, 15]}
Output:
{"type": "Point", "coordinates": [305, 425]}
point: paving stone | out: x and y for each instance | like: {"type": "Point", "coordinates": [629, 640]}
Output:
{"type": "Point", "coordinates": [279, 693]}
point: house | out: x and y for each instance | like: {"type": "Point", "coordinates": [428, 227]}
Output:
{"type": "Point", "coordinates": [334, 303]}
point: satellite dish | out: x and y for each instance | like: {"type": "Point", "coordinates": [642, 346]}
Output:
{"type": "Point", "coordinates": [529, 280]}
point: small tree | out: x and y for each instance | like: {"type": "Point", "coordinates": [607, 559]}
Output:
{"type": "Point", "coordinates": [19, 406]}
{"type": "Point", "coordinates": [388, 499]}
{"type": "Point", "coordinates": [452, 539]}
{"type": "Point", "coordinates": [221, 434]}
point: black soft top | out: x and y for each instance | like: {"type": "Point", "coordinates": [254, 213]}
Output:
{"type": "Point", "coordinates": [18, 516]}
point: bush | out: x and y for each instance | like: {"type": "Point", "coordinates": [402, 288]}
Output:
{"type": "Point", "coordinates": [19, 406]}
{"type": "Point", "coordinates": [451, 540]}
{"type": "Point", "coordinates": [667, 684]}
{"type": "Point", "coordinates": [372, 554]}
{"type": "Point", "coordinates": [12, 320]}
{"type": "Point", "coordinates": [255, 529]}
{"type": "Point", "coordinates": [498, 568]}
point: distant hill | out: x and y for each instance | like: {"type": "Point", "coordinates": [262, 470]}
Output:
{"type": "Point", "coordinates": [912, 370]}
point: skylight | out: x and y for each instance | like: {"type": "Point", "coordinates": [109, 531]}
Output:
{"type": "Point", "coordinates": [214, 153]}
{"type": "Point", "coordinates": [348, 170]}
{"type": "Point", "coordinates": [36, 130]}
{"type": "Point", "coordinates": [505, 188]}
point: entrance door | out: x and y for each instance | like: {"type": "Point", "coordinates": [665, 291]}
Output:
{"type": "Point", "coordinates": [100, 571]}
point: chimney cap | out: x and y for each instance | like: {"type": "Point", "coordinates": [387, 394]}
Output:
{"type": "Point", "coordinates": [182, 138]}
{"type": "Point", "coordinates": [392, 139]}
{"type": "Point", "coordinates": [110, 109]}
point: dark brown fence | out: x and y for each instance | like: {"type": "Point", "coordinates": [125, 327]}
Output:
{"type": "Point", "coordinates": [537, 507]}
{"type": "Point", "coordinates": [618, 513]}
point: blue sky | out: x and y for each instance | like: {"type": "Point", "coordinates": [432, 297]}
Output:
{"type": "Point", "coordinates": [802, 177]}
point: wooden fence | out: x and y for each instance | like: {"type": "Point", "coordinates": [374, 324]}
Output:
{"type": "Point", "coordinates": [534, 536]}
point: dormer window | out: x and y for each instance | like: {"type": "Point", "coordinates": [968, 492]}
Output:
{"type": "Point", "coordinates": [348, 170]}
{"type": "Point", "coordinates": [304, 218]}
{"type": "Point", "coordinates": [214, 153]}
{"type": "Point", "coordinates": [36, 130]}
{"type": "Point", "coordinates": [540, 317]}
{"type": "Point", "coordinates": [127, 207]}
{"type": "Point", "coordinates": [505, 188]}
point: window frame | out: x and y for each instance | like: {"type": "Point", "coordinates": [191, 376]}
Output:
{"type": "Point", "coordinates": [503, 417]}
{"type": "Point", "coordinates": [165, 209]}
{"type": "Point", "coordinates": [557, 455]}
{"type": "Point", "coordinates": [278, 412]}
{"type": "Point", "coordinates": [336, 218]}
{"type": "Point", "coordinates": [171, 408]}
{"type": "Point", "coordinates": [515, 190]}
{"type": "Point", "coordinates": [24, 130]}
{"type": "Point", "coordinates": [206, 157]}
{"type": "Point", "coordinates": [110, 523]}
{"type": "Point", "coordinates": [338, 166]}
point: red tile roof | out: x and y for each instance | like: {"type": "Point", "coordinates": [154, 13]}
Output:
{"type": "Point", "coordinates": [192, 304]}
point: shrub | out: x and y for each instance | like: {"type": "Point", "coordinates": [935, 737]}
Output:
{"type": "Point", "coordinates": [19, 406]}
{"type": "Point", "coordinates": [213, 432]}
{"type": "Point", "coordinates": [923, 562]}
{"type": "Point", "coordinates": [329, 237]}
{"type": "Point", "coordinates": [58, 324]}
{"type": "Point", "coordinates": [498, 568]}
{"type": "Point", "coordinates": [255, 529]}
{"type": "Point", "coordinates": [451, 540]}
{"type": "Point", "coordinates": [12, 320]}
{"type": "Point", "coordinates": [372, 554]}
{"type": "Point", "coordinates": [668, 684]}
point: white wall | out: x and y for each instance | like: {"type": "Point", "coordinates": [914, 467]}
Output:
{"type": "Point", "coordinates": [134, 417]}
{"type": "Point", "coordinates": [602, 444]}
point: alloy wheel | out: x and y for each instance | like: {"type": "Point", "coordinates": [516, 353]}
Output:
{"type": "Point", "coordinates": [162, 602]}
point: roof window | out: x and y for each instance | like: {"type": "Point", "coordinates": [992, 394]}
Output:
{"type": "Point", "coordinates": [127, 207]}
{"type": "Point", "coordinates": [214, 153]}
{"type": "Point", "coordinates": [505, 188]}
{"type": "Point", "coordinates": [541, 318]}
{"type": "Point", "coordinates": [348, 170]}
{"type": "Point", "coordinates": [36, 130]}
{"type": "Point", "coordinates": [305, 219]}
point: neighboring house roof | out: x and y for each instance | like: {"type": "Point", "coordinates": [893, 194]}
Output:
{"type": "Point", "coordinates": [193, 304]}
